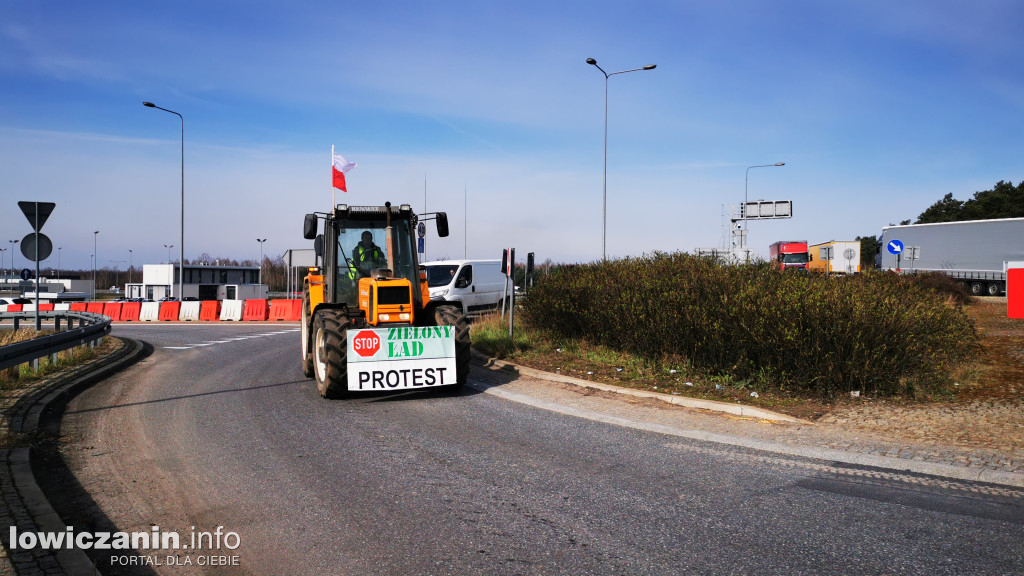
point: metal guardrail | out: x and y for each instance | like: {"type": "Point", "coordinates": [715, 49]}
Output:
{"type": "Point", "coordinates": [91, 328]}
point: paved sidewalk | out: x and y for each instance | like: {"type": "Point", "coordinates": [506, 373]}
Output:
{"type": "Point", "coordinates": [982, 441]}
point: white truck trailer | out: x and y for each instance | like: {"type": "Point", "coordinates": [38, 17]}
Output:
{"type": "Point", "coordinates": [975, 252]}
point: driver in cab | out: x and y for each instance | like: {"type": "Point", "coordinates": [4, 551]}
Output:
{"type": "Point", "coordinates": [367, 256]}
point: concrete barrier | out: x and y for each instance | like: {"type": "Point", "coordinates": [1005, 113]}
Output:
{"type": "Point", "coordinates": [79, 307]}
{"type": "Point", "coordinates": [62, 306]}
{"type": "Point", "coordinates": [190, 311]}
{"type": "Point", "coordinates": [15, 307]}
{"type": "Point", "coordinates": [231, 310]}
{"type": "Point", "coordinates": [94, 307]}
{"type": "Point", "coordinates": [256, 311]}
{"type": "Point", "coordinates": [150, 311]}
{"type": "Point", "coordinates": [170, 311]}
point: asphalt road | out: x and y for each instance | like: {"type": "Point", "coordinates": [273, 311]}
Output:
{"type": "Point", "coordinates": [218, 427]}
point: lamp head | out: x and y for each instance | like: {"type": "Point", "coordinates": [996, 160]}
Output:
{"type": "Point", "coordinates": [591, 61]}
{"type": "Point", "coordinates": [650, 67]}
{"type": "Point", "coordinates": [780, 163]}
{"type": "Point", "coordinates": [149, 104]}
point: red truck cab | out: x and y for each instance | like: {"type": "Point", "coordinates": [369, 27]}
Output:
{"type": "Point", "coordinates": [789, 254]}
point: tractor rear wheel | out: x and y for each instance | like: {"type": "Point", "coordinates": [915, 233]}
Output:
{"type": "Point", "coordinates": [307, 353]}
{"type": "Point", "coordinates": [330, 353]}
{"type": "Point", "coordinates": [453, 316]}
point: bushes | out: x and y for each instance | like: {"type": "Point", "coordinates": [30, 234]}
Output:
{"type": "Point", "coordinates": [871, 332]}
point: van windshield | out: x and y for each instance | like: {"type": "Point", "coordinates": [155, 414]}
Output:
{"type": "Point", "coordinates": [440, 274]}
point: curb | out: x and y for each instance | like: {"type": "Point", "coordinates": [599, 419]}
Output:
{"type": "Point", "coordinates": [27, 421]}
{"type": "Point", "coordinates": [714, 405]}
{"type": "Point", "coordinates": [994, 477]}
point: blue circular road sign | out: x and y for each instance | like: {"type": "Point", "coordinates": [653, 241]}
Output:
{"type": "Point", "coordinates": [895, 247]}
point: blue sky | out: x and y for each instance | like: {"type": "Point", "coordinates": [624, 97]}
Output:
{"type": "Point", "coordinates": [877, 108]}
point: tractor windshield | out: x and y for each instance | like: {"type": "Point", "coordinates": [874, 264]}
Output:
{"type": "Point", "coordinates": [363, 246]}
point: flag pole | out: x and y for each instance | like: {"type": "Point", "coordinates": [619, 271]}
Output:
{"type": "Point", "coordinates": [332, 181]}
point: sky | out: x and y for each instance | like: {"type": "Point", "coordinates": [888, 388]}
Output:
{"type": "Point", "coordinates": [488, 111]}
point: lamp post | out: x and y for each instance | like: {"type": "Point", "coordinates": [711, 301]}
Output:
{"type": "Point", "coordinates": [604, 187]}
{"type": "Point", "coordinates": [261, 258]}
{"type": "Point", "coordinates": [746, 182]}
{"type": "Point", "coordinates": [13, 242]}
{"type": "Point", "coordinates": [131, 263]}
{"type": "Point", "coordinates": [94, 261]}
{"type": "Point", "coordinates": [181, 244]}
{"type": "Point", "coordinates": [168, 246]}
{"type": "Point", "coordinates": [59, 248]}
{"type": "Point", "coordinates": [3, 262]}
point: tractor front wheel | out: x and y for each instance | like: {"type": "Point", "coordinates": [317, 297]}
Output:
{"type": "Point", "coordinates": [453, 316]}
{"type": "Point", "coordinates": [330, 353]}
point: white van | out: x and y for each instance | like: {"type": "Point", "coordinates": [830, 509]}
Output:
{"type": "Point", "coordinates": [476, 285]}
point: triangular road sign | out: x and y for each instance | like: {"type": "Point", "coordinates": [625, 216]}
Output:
{"type": "Point", "coordinates": [32, 210]}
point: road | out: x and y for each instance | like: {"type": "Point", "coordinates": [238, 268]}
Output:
{"type": "Point", "coordinates": [219, 428]}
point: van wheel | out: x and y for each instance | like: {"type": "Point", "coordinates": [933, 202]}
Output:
{"type": "Point", "coordinates": [993, 289]}
{"type": "Point", "coordinates": [976, 288]}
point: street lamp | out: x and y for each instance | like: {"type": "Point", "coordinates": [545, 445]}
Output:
{"type": "Point", "coordinates": [59, 248]}
{"type": "Point", "coordinates": [746, 182]}
{"type": "Point", "coordinates": [94, 261]}
{"type": "Point", "coordinates": [117, 272]}
{"type": "Point", "coordinates": [131, 261]}
{"type": "Point", "coordinates": [604, 196]}
{"type": "Point", "coordinates": [261, 259]}
{"type": "Point", "coordinates": [13, 242]}
{"type": "Point", "coordinates": [3, 261]}
{"type": "Point", "coordinates": [168, 246]}
{"type": "Point", "coordinates": [181, 245]}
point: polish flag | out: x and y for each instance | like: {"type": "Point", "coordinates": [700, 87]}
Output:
{"type": "Point", "coordinates": [340, 167]}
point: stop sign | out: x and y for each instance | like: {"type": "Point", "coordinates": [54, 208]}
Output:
{"type": "Point", "coordinates": [366, 343]}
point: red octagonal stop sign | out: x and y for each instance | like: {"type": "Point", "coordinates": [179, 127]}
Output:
{"type": "Point", "coordinates": [366, 343]}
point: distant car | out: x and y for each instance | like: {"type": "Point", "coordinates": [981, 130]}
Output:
{"type": "Point", "coordinates": [5, 300]}
{"type": "Point", "coordinates": [168, 299]}
{"type": "Point", "coordinates": [190, 299]}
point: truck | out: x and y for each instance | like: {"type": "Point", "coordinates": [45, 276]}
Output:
{"type": "Point", "coordinates": [789, 254]}
{"type": "Point", "coordinates": [368, 323]}
{"type": "Point", "coordinates": [476, 286]}
{"type": "Point", "coordinates": [835, 257]}
{"type": "Point", "coordinates": [974, 252]}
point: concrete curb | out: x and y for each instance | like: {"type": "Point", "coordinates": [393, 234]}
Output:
{"type": "Point", "coordinates": [996, 477]}
{"type": "Point", "coordinates": [737, 409]}
{"type": "Point", "coordinates": [34, 501]}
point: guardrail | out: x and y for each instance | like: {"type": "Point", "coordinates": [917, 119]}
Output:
{"type": "Point", "coordinates": [91, 327]}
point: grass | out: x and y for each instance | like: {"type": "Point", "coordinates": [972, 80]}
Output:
{"type": "Point", "coordinates": [24, 375]}
{"type": "Point", "coordinates": [995, 373]}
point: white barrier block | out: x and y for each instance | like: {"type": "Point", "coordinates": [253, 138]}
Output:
{"type": "Point", "coordinates": [28, 308]}
{"type": "Point", "coordinates": [190, 310]}
{"type": "Point", "coordinates": [231, 309]}
{"type": "Point", "coordinates": [3, 307]}
{"type": "Point", "coordinates": [150, 312]}
{"type": "Point", "coordinates": [61, 307]}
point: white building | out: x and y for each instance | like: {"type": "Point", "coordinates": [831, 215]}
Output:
{"type": "Point", "coordinates": [202, 282]}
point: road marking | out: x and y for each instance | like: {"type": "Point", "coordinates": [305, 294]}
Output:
{"type": "Point", "coordinates": [208, 343]}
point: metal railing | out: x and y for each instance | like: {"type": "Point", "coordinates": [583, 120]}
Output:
{"type": "Point", "coordinates": [91, 328]}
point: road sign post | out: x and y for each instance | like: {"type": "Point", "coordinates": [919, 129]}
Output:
{"type": "Point", "coordinates": [36, 246]}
